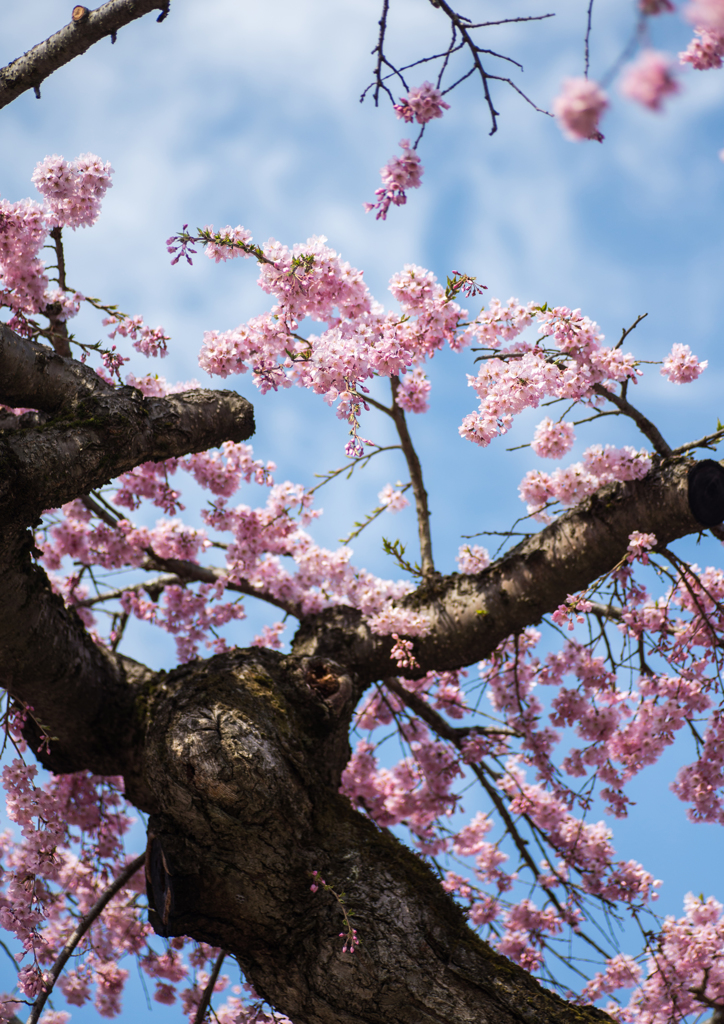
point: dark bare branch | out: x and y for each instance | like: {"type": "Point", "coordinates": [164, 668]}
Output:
{"type": "Point", "coordinates": [30, 70]}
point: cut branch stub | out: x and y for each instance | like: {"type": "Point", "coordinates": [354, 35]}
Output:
{"type": "Point", "coordinates": [706, 492]}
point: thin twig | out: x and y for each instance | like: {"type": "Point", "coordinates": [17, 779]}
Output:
{"type": "Point", "coordinates": [438, 724]}
{"type": "Point", "coordinates": [510, 21]}
{"type": "Point", "coordinates": [588, 40]}
{"type": "Point", "coordinates": [462, 28]}
{"type": "Point", "coordinates": [418, 487]}
{"type": "Point", "coordinates": [209, 990]}
{"type": "Point", "coordinates": [703, 442]}
{"type": "Point", "coordinates": [83, 926]}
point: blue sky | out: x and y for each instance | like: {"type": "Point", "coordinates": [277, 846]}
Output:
{"type": "Point", "coordinates": [248, 113]}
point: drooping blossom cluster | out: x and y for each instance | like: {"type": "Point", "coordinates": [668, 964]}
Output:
{"type": "Point", "coordinates": [413, 391]}
{"type": "Point", "coordinates": [398, 175]}
{"type": "Point", "coordinates": [685, 970]}
{"type": "Point", "coordinates": [70, 849]}
{"type": "Point", "coordinates": [522, 375]}
{"type": "Point", "coordinates": [149, 341]}
{"type": "Point", "coordinates": [422, 104]}
{"type": "Point", "coordinates": [705, 51]}
{"type": "Point", "coordinates": [552, 440]}
{"type": "Point", "coordinates": [579, 107]}
{"type": "Point", "coordinates": [649, 79]}
{"type": "Point", "coordinates": [72, 191]}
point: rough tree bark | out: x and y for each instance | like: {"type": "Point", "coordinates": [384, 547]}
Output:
{"type": "Point", "coordinates": [238, 758]}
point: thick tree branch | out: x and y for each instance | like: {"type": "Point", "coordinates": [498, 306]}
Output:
{"type": "Point", "coordinates": [470, 615]}
{"type": "Point", "coordinates": [96, 431]}
{"type": "Point", "coordinates": [83, 695]}
{"type": "Point", "coordinates": [30, 70]}
{"type": "Point", "coordinates": [33, 375]}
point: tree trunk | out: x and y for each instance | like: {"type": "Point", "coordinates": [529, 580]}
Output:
{"type": "Point", "coordinates": [243, 757]}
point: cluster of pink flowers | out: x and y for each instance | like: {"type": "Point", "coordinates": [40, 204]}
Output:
{"type": "Point", "coordinates": [22, 274]}
{"type": "Point", "coordinates": [472, 558]}
{"type": "Point", "coordinates": [574, 483]}
{"type": "Point", "coordinates": [681, 366]}
{"type": "Point", "coordinates": [704, 52]}
{"type": "Point", "coordinates": [73, 189]}
{"type": "Point", "coordinates": [413, 391]}
{"type": "Point", "coordinates": [392, 498]}
{"type": "Point", "coordinates": [151, 342]}
{"type": "Point", "coordinates": [398, 175]}
{"type": "Point", "coordinates": [579, 108]}
{"type": "Point", "coordinates": [639, 546]}
{"type": "Point", "coordinates": [552, 440]}
{"type": "Point", "coordinates": [525, 374]}
{"type": "Point", "coordinates": [422, 104]}
{"type": "Point", "coordinates": [71, 848]}
{"type": "Point", "coordinates": [685, 967]}
{"type": "Point", "coordinates": [649, 79]}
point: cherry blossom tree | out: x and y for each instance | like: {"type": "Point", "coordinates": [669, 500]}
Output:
{"type": "Point", "coordinates": [548, 674]}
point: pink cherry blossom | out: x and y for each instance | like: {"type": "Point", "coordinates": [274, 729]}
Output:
{"type": "Point", "coordinates": [649, 79]}
{"type": "Point", "coordinates": [553, 440]}
{"type": "Point", "coordinates": [472, 558]}
{"type": "Point", "coordinates": [422, 104]}
{"type": "Point", "coordinates": [579, 108]}
{"type": "Point", "coordinates": [392, 498]}
{"type": "Point", "coordinates": [681, 366]}
{"type": "Point", "coordinates": [413, 391]}
{"type": "Point", "coordinates": [398, 175]}
{"type": "Point", "coordinates": [74, 190]}
{"type": "Point", "coordinates": [704, 52]}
